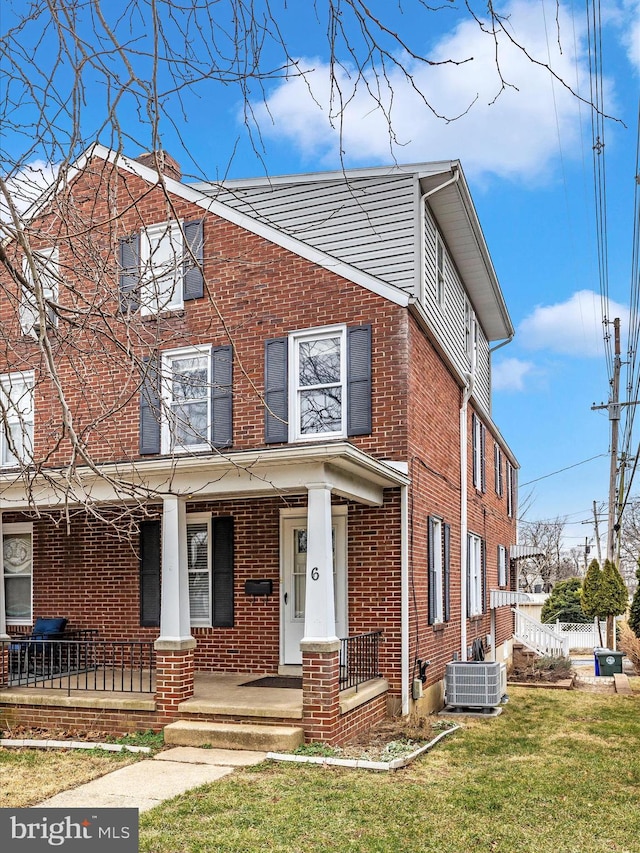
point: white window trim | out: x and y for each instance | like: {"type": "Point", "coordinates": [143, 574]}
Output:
{"type": "Point", "coordinates": [438, 570]}
{"type": "Point", "coordinates": [498, 470]}
{"type": "Point", "coordinates": [173, 231]}
{"type": "Point", "coordinates": [203, 518]}
{"type": "Point", "coordinates": [295, 339]}
{"type": "Point", "coordinates": [509, 488]}
{"type": "Point", "coordinates": [18, 527]}
{"type": "Point", "coordinates": [502, 566]}
{"type": "Point", "coordinates": [27, 379]}
{"type": "Point", "coordinates": [49, 276]}
{"type": "Point", "coordinates": [478, 446]}
{"type": "Point", "coordinates": [474, 544]}
{"type": "Point", "coordinates": [167, 399]}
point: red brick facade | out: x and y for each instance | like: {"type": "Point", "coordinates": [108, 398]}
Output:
{"type": "Point", "coordinates": [254, 290]}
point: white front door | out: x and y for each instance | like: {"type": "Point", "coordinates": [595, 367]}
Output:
{"type": "Point", "coordinates": [293, 547]}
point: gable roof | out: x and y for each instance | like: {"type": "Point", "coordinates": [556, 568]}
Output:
{"type": "Point", "coordinates": [362, 224]}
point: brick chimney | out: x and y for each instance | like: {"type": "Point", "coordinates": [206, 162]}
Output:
{"type": "Point", "coordinates": [165, 162]}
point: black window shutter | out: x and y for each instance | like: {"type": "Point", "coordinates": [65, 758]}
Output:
{"type": "Point", "coordinates": [222, 396]}
{"type": "Point", "coordinates": [149, 573]}
{"type": "Point", "coordinates": [359, 380]}
{"type": "Point", "coordinates": [150, 408]}
{"type": "Point", "coordinates": [483, 458]}
{"type": "Point", "coordinates": [129, 260]}
{"type": "Point", "coordinates": [446, 570]}
{"type": "Point", "coordinates": [193, 283]}
{"type": "Point", "coordinates": [276, 416]}
{"type": "Point", "coordinates": [223, 574]}
{"type": "Point", "coordinates": [431, 570]}
{"type": "Point", "coordinates": [474, 457]}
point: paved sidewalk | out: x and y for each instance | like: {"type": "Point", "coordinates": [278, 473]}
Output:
{"type": "Point", "coordinates": [147, 783]}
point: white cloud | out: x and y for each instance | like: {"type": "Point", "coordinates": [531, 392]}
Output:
{"type": "Point", "coordinates": [509, 374]}
{"type": "Point", "coordinates": [631, 32]}
{"type": "Point", "coordinates": [512, 135]}
{"type": "Point", "coordinates": [26, 187]}
{"type": "Point", "coordinates": [573, 327]}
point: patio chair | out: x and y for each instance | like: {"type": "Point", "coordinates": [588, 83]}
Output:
{"type": "Point", "coordinates": [35, 654]}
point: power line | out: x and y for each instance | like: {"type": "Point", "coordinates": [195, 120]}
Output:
{"type": "Point", "coordinates": [561, 470]}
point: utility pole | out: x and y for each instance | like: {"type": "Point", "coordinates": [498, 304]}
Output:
{"type": "Point", "coordinates": [614, 417]}
{"type": "Point", "coordinates": [595, 524]}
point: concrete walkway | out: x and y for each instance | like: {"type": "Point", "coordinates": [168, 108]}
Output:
{"type": "Point", "coordinates": [147, 783]}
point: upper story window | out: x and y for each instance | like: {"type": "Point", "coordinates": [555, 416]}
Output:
{"type": "Point", "coordinates": [497, 469]}
{"type": "Point", "coordinates": [161, 267]}
{"type": "Point", "coordinates": [510, 487]}
{"type": "Point", "coordinates": [186, 400]}
{"type": "Point", "coordinates": [478, 438]}
{"type": "Point", "coordinates": [440, 270]}
{"type": "Point", "coordinates": [318, 384]}
{"type": "Point", "coordinates": [16, 418]}
{"type": "Point", "coordinates": [44, 274]}
{"type": "Point", "coordinates": [318, 377]}
{"type": "Point", "coordinates": [502, 565]}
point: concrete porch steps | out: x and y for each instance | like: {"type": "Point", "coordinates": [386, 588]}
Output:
{"type": "Point", "coordinates": [249, 736]}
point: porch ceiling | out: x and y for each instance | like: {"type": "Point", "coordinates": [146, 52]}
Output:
{"type": "Point", "coordinates": [351, 473]}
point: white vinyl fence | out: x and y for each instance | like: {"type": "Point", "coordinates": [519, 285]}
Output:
{"type": "Point", "coordinates": [582, 635]}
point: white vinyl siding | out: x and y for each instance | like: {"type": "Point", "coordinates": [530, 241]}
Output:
{"type": "Point", "coordinates": [367, 222]}
{"type": "Point", "coordinates": [451, 320]}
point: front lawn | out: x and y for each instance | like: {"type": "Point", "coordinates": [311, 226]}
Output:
{"type": "Point", "coordinates": [557, 772]}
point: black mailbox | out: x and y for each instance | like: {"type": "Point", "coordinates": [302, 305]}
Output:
{"type": "Point", "coordinates": [258, 587]}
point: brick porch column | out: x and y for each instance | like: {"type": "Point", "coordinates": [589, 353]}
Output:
{"type": "Point", "coordinates": [320, 689]}
{"type": "Point", "coordinates": [174, 675]}
{"type": "Point", "coordinates": [174, 647]}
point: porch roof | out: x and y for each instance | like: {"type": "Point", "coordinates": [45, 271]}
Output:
{"type": "Point", "coordinates": [351, 473]}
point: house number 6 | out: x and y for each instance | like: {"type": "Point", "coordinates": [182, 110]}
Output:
{"type": "Point", "coordinates": [315, 574]}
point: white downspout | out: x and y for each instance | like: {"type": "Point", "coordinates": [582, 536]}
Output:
{"type": "Point", "coordinates": [463, 515]}
{"type": "Point", "coordinates": [404, 595]}
{"type": "Point", "coordinates": [453, 180]}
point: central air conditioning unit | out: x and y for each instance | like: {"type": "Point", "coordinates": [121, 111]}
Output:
{"type": "Point", "coordinates": [475, 684]}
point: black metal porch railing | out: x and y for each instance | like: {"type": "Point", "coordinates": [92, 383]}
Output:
{"type": "Point", "coordinates": [119, 666]}
{"type": "Point", "coordinates": [359, 659]}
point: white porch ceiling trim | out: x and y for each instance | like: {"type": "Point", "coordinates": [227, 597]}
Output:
{"type": "Point", "coordinates": [350, 472]}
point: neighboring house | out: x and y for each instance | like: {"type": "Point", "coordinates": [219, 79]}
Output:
{"type": "Point", "coordinates": [277, 435]}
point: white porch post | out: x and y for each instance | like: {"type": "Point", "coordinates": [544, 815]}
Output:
{"type": "Point", "coordinates": [3, 608]}
{"type": "Point", "coordinates": [175, 627]}
{"type": "Point", "coordinates": [320, 615]}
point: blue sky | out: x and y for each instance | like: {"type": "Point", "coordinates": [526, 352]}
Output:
{"type": "Point", "coordinates": [526, 150]}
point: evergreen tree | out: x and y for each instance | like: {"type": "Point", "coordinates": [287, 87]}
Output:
{"type": "Point", "coordinates": [614, 597]}
{"type": "Point", "coordinates": [634, 612]}
{"type": "Point", "coordinates": [589, 598]}
{"type": "Point", "coordinates": [564, 603]}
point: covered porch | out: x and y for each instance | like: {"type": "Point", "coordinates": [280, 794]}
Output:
{"type": "Point", "coordinates": [173, 671]}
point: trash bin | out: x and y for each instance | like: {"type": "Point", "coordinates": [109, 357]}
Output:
{"type": "Point", "coordinates": [596, 663]}
{"type": "Point", "coordinates": [608, 662]}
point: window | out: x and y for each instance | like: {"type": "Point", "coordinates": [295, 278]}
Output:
{"type": "Point", "coordinates": [510, 487]}
{"type": "Point", "coordinates": [440, 262]}
{"type": "Point", "coordinates": [318, 384]}
{"type": "Point", "coordinates": [186, 401]}
{"type": "Point", "coordinates": [161, 267]}
{"type": "Point", "coordinates": [210, 567]}
{"type": "Point", "coordinates": [318, 378]}
{"type": "Point", "coordinates": [502, 565]}
{"type": "Point", "coordinates": [478, 437]}
{"type": "Point", "coordinates": [47, 269]}
{"type": "Point", "coordinates": [475, 571]}
{"type": "Point", "coordinates": [438, 551]}
{"type": "Point", "coordinates": [471, 335]}
{"type": "Point", "coordinates": [16, 416]}
{"type": "Point", "coordinates": [497, 469]}
{"type": "Point", "coordinates": [17, 558]}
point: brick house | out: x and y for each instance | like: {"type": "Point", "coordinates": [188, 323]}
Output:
{"type": "Point", "coordinates": [247, 432]}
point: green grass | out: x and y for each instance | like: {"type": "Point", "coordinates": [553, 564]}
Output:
{"type": "Point", "coordinates": [557, 772]}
